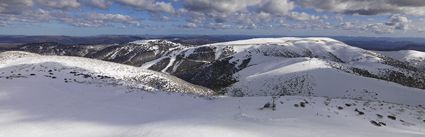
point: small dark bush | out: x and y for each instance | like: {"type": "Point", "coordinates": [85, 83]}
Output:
{"type": "Point", "coordinates": [375, 123]}
{"type": "Point", "coordinates": [267, 105]}
{"type": "Point", "coordinates": [391, 117]}
{"type": "Point", "coordinates": [302, 104]}
{"type": "Point", "coordinates": [359, 112]}
{"type": "Point", "coordinates": [379, 116]}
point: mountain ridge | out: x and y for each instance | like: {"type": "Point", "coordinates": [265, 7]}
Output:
{"type": "Point", "coordinates": [216, 66]}
{"type": "Point", "coordinates": [84, 70]}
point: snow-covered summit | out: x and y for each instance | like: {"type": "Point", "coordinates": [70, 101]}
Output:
{"type": "Point", "coordinates": [318, 47]}
{"type": "Point", "coordinates": [275, 40]}
{"type": "Point", "coordinates": [140, 42]}
{"type": "Point", "coordinates": [153, 41]}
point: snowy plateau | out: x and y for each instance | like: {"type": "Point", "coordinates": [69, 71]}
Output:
{"type": "Point", "coordinates": [320, 87]}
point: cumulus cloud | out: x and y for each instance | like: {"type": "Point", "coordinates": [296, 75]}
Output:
{"type": "Point", "coordinates": [66, 11]}
{"type": "Point", "coordinates": [367, 7]}
{"type": "Point", "coordinates": [221, 6]}
{"type": "Point", "coordinates": [347, 26]}
{"type": "Point", "coordinates": [302, 16]}
{"type": "Point", "coordinates": [189, 25]}
{"type": "Point", "coordinates": [102, 4]}
{"type": "Point", "coordinates": [378, 28]}
{"type": "Point", "coordinates": [409, 3]}
{"type": "Point", "coordinates": [243, 14]}
{"type": "Point", "coordinates": [277, 7]}
{"type": "Point", "coordinates": [149, 5]}
{"type": "Point", "coordinates": [20, 6]}
{"type": "Point", "coordinates": [395, 23]}
{"type": "Point", "coordinates": [80, 20]}
{"type": "Point", "coordinates": [14, 6]}
{"type": "Point", "coordinates": [399, 22]}
{"type": "Point", "coordinates": [60, 4]}
{"type": "Point", "coordinates": [97, 20]}
{"type": "Point", "coordinates": [221, 14]}
{"type": "Point", "coordinates": [104, 19]}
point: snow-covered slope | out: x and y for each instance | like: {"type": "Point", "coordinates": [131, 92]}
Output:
{"type": "Point", "coordinates": [295, 66]}
{"type": "Point", "coordinates": [415, 58]}
{"type": "Point", "coordinates": [10, 55]}
{"type": "Point", "coordinates": [15, 65]}
{"type": "Point", "coordinates": [270, 76]}
{"type": "Point", "coordinates": [42, 107]}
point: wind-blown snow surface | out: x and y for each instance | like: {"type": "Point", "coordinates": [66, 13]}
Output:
{"type": "Point", "coordinates": [41, 106]}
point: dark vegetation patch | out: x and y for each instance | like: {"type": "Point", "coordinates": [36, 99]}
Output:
{"type": "Point", "coordinates": [391, 117]}
{"type": "Point", "coordinates": [359, 112]}
{"type": "Point", "coordinates": [375, 123]}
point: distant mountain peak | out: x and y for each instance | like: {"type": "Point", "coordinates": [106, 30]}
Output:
{"type": "Point", "coordinates": [152, 41]}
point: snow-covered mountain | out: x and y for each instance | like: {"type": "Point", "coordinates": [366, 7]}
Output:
{"type": "Point", "coordinates": [414, 58]}
{"type": "Point", "coordinates": [295, 66]}
{"type": "Point", "coordinates": [134, 53]}
{"type": "Point", "coordinates": [16, 65]}
{"type": "Point", "coordinates": [323, 86]}
{"type": "Point", "coordinates": [229, 67]}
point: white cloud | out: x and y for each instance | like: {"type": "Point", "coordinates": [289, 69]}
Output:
{"type": "Point", "coordinates": [242, 13]}
{"type": "Point", "coordinates": [367, 7]}
{"type": "Point", "coordinates": [302, 16]}
{"type": "Point", "coordinates": [220, 6]}
{"type": "Point", "coordinates": [14, 6]}
{"type": "Point", "coordinates": [60, 4]}
{"type": "Point", "coordinates": [189, 25]}
{"type": "Point", "coordinates": [348, 26]}
{"type": "Point", "coordinates": [277, 7]}
{"type": "Point", "coordinates": [222, 14]}
{"type": "Point", "coordinates": [378, 28]}
{"type": "Point", "coordinates": [395, 22]}
{"type": "Point", "coordinates": [399, 22]}
{"type": "Point", "coordinates": [148, 5]}
{"type": "Point", "coordinates": [81, 20]}
{"type": "Point", "coordinates": [102, 4]}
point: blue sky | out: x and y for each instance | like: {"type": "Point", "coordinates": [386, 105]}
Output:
{"type": "Point", "coordinates": [386, 18]}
